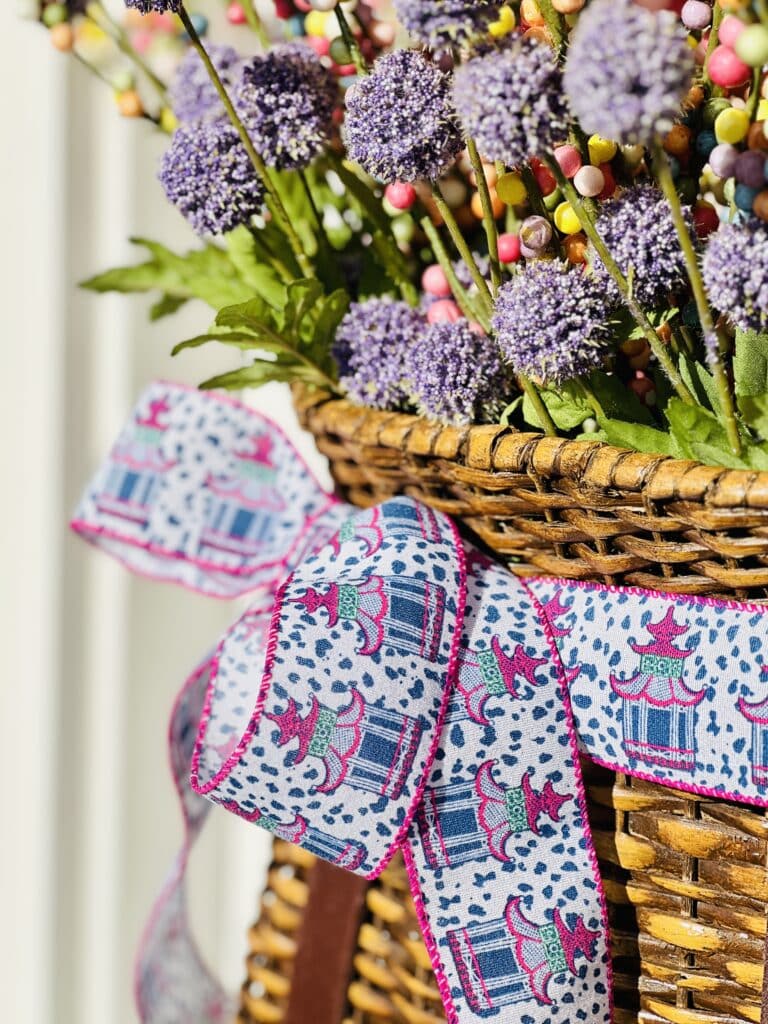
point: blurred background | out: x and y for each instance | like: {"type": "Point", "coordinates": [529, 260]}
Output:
{"type": "Point", "coordinates": [93, 657]}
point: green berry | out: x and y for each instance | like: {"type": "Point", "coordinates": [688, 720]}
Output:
{"type": "Point", "coordinates": [54, 14]}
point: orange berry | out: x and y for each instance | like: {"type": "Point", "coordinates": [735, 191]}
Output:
{"type": "Point", "coordinates": [529, 11]}
{"type": "Point", "coordinates": [575, 248]}
{"type": "Point", "coordinates": [62, 36]}
{"type": "Point", "coordinates": [677, 142]}
{"type": "Point", "coordinates": [129, 103]}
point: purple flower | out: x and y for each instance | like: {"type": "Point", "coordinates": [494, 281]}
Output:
{"type": "Point", "coordinates": [735, 267]}
{"type": "Point", "coordinates": [510, 101]}
{"type": "Point", "coordinates": [192, 94]}
{"type": "Point", "coordinates": [628, 70]}
{"type": "Point", "coordinates": [286, 101]}
{"type": "Point", "coordinates": [207, 174]}
{"type": "Point", "coordinates": [453, 372]}
{"type": "Point", "coordinates": [371, 346]}
{"type": "Point", "coordinates": [640, 234]}
{"type": "Point", "coordinates": [400, 123]}
{"type": "Point", "coordinates": [161, 6]}
{"type": "Point", "coordinates": [552, 322]}
{"type": "Point", "coordinates": [444, 23]}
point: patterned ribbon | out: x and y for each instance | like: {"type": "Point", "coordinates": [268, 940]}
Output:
{"type": "Point", "coordinates": [393, 689]}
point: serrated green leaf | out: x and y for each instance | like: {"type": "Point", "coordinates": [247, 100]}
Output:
{"type": "Point", "coordinates": [754, 409]}
{"type": "Point", "coordinates": [713, 455]}
{"type": "Point", "coordinates": [167, 305]}
{"type": "Point", "coordinates": [750, 363]}
{"type": "Point", "coordinates": [304, 296]}
{"type": "Point", "coordinates": [238, 339]}
{"type": "Point", "coordinates": [567, 407]}
{"type": "Point", "coordinates": [699, 382]}
{"type": "Point", "coordinates": [254, 376]}
{"type": "Point", "coordinates": [254, 315]}
{"type": "Point", "coordinates": [332, 312]}
{"type": "Point", "coordinates": [692, 424]}
{"type": "Point", "coordinates": [207, 274]}
{"type": "Point", "coordinates": [251, 261]}
{"type": "Point", "coordinates": [617, 400]}
{"type": "Point", "coordinates": [639, 437]}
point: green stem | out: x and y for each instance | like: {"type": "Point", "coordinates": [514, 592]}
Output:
{"type": "Point", "coordinates": [612, 267]}
{"type": "Point", "coordinates": [351, 43]}
{"type": "Point", "coordinates": [463, 300]}
{"type": "Point", "coordinates": [489, 221]}
{"type": "Point", "coordinates": [275, 203]}
{"type": "Point", "coordinates": [556, 25]}
{"type": "Point", "coordinates": [288, 276]}
{"type": "Point", "coordinates": [754, 94]}
{"type": "Point", "coordinates": [591, 398]}
{"type": "Point", "coordinates": [117, 34]}
{"type": "Point", "coordinates": [255, 22]}
{"type": "Point", "coordinates": [323, 241]}
{"type": "Point", "coordinates": [762, 11]}
{"type": "Point", "coordinates": [465, 252]}
{"type": "Point", "coordinates": [714, 35]}
{"type": "Point", "coordinates": [532, 393]}
{"type": "Point", "coordinates": [711, 344]}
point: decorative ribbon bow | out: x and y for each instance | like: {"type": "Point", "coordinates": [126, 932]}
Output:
{"type": "Point", "coordinates": [393, 689]}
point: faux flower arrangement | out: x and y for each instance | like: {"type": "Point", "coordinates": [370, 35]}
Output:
{"type": "Point", "coordinates": [548, 212]}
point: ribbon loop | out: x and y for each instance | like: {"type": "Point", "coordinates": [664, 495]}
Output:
{"type": "Point", "coordinates": [348, 700]}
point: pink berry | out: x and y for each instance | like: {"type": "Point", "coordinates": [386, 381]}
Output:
{"type": "Point", "coordinates": [509, 248]}
{"type": "Point", "coordinates": [235, 14]}
{"type": "Point", "coordinates": [569, 159]}
{"type": "Point", "coordinates": [434, 282]}
{"type": "Point", "coordinates": [320, 44]}
{"type": "Point", "coordinates": [696, 14]}
{"type": "Point", "coordinates": [401, 195]}
{"type": "Point", "coordinates": [726, 70]}
{"type": "Point", "coordinates": [444, 311]}
{"type": "Point", "coordinates": [730, 29]}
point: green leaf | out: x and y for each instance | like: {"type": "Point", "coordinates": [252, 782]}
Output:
{"type": "Point", "coordinates": [567, 407]}
{"type": "Point", "coordinates": [639, 437]}
{"type": "Point", "coordinates": [510, 410]}
{"type": "Point", "coordinates": [254, 315]}
{"type": "Point", "coordinates": [254, 376]}
{"type": "Point", "coordinates": [166, 306]}
{"type": "Point", "coordinates": [754, 409]}
{"type": "Point", "coordinates": [616, 399]}
{"type": "Point", "coordinates": [750, 363]}
{"type": "Point", "coordinates": [238, 339]}
{"type": "Point", "coordinates": [332, 312]}
{"type": "Point", "coordinates": [713, 455]}
{"type": "Point", "coordinates": [207, 274]}
{"type": "Point", "coordinates": [700, 382]}
{"type": "Point", "coordinates": [251, 261]}
{"type": "Point", "coordinates": [303, 298]}
{"type": "Point", "coordinates": [691, 424]}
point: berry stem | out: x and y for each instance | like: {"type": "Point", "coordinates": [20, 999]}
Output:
{"type": "Point", "coordinates": [714, 37]}
{"type": "Point", "coordinates": [465, 252]}
{"type": "Point", "coordinates": [489, 221]}
{"type": "Point", "coordinates": [711, 343]}
{"type": "Point", "coordinates": [349, 38]}
{"type": "Point", "coordinates": [590, 230]}
{"type": "Point", "coordinates": [101, 17]}
{"type": "Point", "coordinates": [275, 202]}
{"type": "Point", "coordinates": [255, 23]}
{"type": "Point", "coordinates": [556, 25]}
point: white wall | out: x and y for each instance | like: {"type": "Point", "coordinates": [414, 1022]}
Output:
{"type": "Point", "coordinates": [92, 657]}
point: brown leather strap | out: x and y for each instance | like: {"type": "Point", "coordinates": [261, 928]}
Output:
{"type": "Point", "coordinates": [327, 943]}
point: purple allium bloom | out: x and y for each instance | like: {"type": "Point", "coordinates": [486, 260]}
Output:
{"type": "Point", "coordinates": [286, 101]}
{"type": "Point", "coordinates": [207, 174]}
{"type": "Point", "coordinates": [628, 70]}
{"type": "Point", "coordinates": [511, 103]}
{"type": "Point", "coordinates": [640, 234]}
{"type": "Point", "coordinates": [444, 23]}
{"type": "Point", "coordinates": [735, 266]}
{"type": "Point", "coordinates": [400, 123]}
{"type": "Point", "coordinates": [552, 322]}
{"type": "Point", "coordinates": [371, 346]}
{"type": "Point", "coordinates": [161, 6]}
{"type": "Point", "coordinates": [453, 371]}
{"type": "Point", "coordinates": [192, 94]}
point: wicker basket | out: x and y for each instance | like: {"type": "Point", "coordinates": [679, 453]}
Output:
{"type": "Point", "coordinates": [685, 877]}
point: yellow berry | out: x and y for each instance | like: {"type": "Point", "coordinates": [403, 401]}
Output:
{"type": "Point", "coordinates": [168, 120]}
{"type": "Point", "coordinates": [504, 24]}
{"type": "Point", "coordinates": [601, 150]}
{"type": "Point", "coordinates": [731, 125]}
{"type": "Point", "coordinates": [315, 23]}
{"type": "Point", "coordinates": [511, 190]}
{"type": "Point", "coordinates": [566, 219]}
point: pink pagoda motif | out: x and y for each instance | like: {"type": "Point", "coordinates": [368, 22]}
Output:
{"type": "Point", "coordinates": [475, 819]}
{"type": "Point", "coordinates": [659, 710]}
{"type": "Point", "coordinates": [493, 673]}
{"type": "Point", "coordinates": [244, 504]}
{"type": "Point", "coordinates": [364, 746]}
{"type": "Point", "coordinates": [513, 959]}
{"type": "Point", "coordinates": [137, 467]}
{"type": "Point", "coordinates": [757, 714]}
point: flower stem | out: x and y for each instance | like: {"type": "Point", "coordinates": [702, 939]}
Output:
{"type": "Point", "coordinates": [555, 24]}
{"type": "Point", "coordinates": [754, 93]}
{"type": "Point", "coordinates": [650, 335]}
{"type": "Point", "coordinates": [463, 300]}
{"type": "Point", "coordinates": [349, 38]}
{"type": "Point", "coordinates": [274, 201]}
{"type": "Point", "coordinates": [255, 23]}
{"type": "Point", "coordinates": [489, 222]}
{"type": "Point", "coordinates": [664, 177]}
{"type": "Point", "coordinates": [465, 252]}
{"type": "Point", "coordinates": [533, 396]}
{"type": "Point", "coordinates": [714, 36]}
{"type": "Point", "coordinates": [325, 249]}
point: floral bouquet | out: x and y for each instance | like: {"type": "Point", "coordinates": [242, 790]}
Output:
{"type": "Point", "coordinates": [548, 213]}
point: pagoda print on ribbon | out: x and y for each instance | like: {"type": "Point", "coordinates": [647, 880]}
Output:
{"type": "Point", "coordinates": [493, 673]}
{"type": "Point", "coordinates": [472, 820]}
{"type": "Point", "coordinates": [757, 714]}
{"type": "Point", "coordinates": [244, 504]}
{"type": "Point", "coordinates": [402, 612]}
{"type": "Point", "coordinates": [360, 745]}
{"type": "Point", "coordinates": [511, 960]}
{"type": "Point", "coordinates": [396, 519]}
{"type": "Point", "coordinates": [659, 710]}
{"type": "Point", "coordinates": [136, 468]}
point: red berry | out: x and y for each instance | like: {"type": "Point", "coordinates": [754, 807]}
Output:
{"type": "Point", "coordinates": [401, 195]}
{"type": "Point", "coordinates": [705, 219]}
{"type": "Point", "coordinates": [644, 388]}
{"type": "Point", "coordinates": [610, 181]}
{"type": "Point", "coordinates": [284, 9]}
{"type": "Point", "coordinates": [509, 248]}
{"type": "Point", "coordinates": [235, 14]}
{"type": "Point", "coordinates": [544, 178]}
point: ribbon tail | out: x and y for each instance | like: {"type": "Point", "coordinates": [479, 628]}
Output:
{"type": "Point", "coordinates": [172, 981]}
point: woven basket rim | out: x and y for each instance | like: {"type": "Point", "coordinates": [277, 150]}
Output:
{"type": "Point", "coordinates": [500, 449]}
